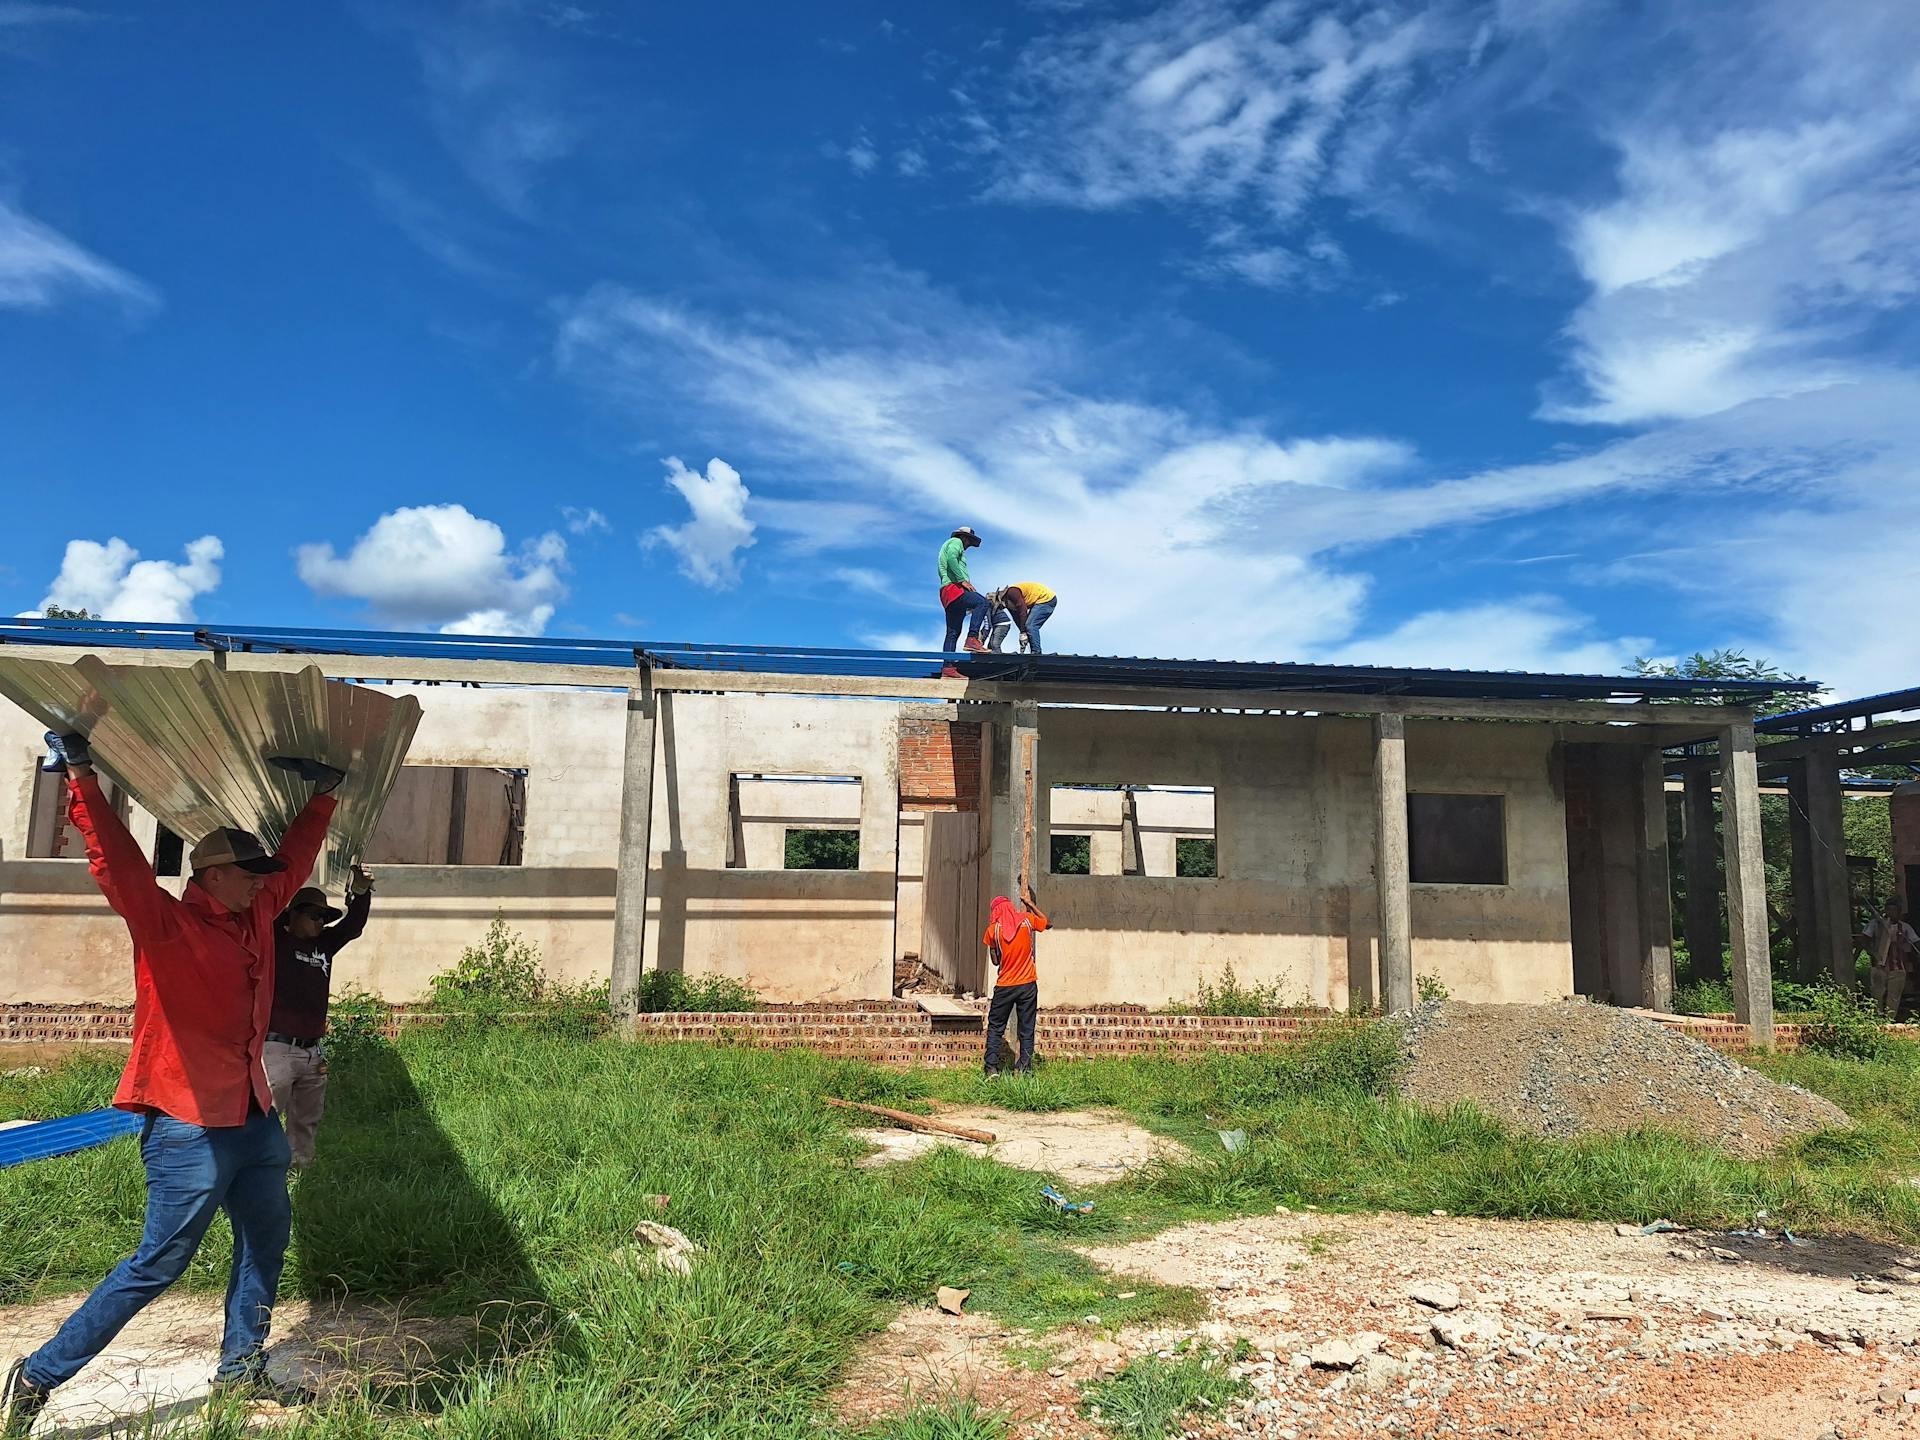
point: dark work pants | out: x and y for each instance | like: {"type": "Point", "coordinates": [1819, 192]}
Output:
{"type": "Point", "coordinates": [969, 608]}
{"type": "Point", "coordinates": [1023, 1000]}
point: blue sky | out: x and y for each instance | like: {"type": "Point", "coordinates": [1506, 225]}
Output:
{"type": "Point", "coordinates": [1533, 333]}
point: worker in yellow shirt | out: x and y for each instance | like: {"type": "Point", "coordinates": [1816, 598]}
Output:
{"type": "Point", "coordinates": [1027, 605]}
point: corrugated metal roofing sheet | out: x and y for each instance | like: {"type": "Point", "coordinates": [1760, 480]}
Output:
{"type": "Point", "coordinates": [190, 742]}
{"type": "Point", "coordinates": [905, 664]}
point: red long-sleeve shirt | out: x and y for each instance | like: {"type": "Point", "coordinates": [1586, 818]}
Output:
{"type": "Point", "coordinates": [202, 974]}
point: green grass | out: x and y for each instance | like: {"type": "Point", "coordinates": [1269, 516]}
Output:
{"type": "Point", "coordinates": [1151, 1396]}
{"type": "Point", "coordinates": [496, 1172]}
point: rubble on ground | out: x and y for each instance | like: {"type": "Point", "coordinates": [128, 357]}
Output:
{"type": "Point", "coordinates": [1575, 1068]}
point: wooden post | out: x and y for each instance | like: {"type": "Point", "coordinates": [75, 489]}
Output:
{"type": "Point", "coordinates": [636, 845]}
{"type": "Point", "coordinates": [1828, 941]}
{"type": "Point", "coordinates": [1021, 779]}
{"type": "Point", "coordinates": [1751, 959]}
{"type": "Point", "coordinates": [1656, 894]}
{"type": "Point", "coordinates": [1390, 860]}
{"type": "Point", "coordinates": [1702, 855]}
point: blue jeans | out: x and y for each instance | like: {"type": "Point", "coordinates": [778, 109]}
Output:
{"type": "Point", "coordinates": [1036, 617]}
{"type": "Point", "coordinates": [1022, 1001]}
{"type": "Point", "coordinates": [971, 608]}
{"type": "Point", "coordinates": [192, 1171]}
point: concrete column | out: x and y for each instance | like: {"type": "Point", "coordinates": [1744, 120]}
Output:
{"type": "Point", "coordinates": [1656, 893]}
{"type": "Point", "coordinates": [636, 845]}
{"type": "Point", "coordinates": [1821, 909]}
{"type": "Point", "coordinates": [1390, 860]}
{"type": "Point", "coordinates": [1022, 772]}
{"type": "Point", "coordinates": [1751, 963]}
{"type": "Point", "coordinates": [1702, 856]}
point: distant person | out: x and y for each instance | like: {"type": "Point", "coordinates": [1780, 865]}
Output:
{"type": "Point", "coordinates": [304, 943]}
{"type": "Point", "coordinates": [1025, 606]}
{"type": "Point", "coordinates": [1894, 946]}
{"type": "Point", "coordinates": [203, 991]}
{"type": "Point", "coordinates": [1016, 987]}
{"type": "Point", "coordinates": [963, 604]}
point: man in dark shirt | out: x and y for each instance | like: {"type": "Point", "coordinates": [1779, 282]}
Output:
{"type": "Point", "coordinates": [304, 943]}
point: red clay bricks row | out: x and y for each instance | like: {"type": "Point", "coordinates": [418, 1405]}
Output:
{"type": "Point", "coordinates": [877, 1031]}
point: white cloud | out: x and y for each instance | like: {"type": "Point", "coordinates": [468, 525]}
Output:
{"type": "Point", "coordinates": [911, 162]}
{"type": "Point", "coordinates": [861, 155]}
{"type": "Point", "coordinates": [39, 266]}
{"type": "Point", "coordinates": [1760, 227]}
{"type": "Point", "coordinates": [1527, 632]}
{"type": "Point", "coordinates": [1202, 101]}
{"type": "Point", "coordinates": [1231, 254]}
{"type": "Point", "coordinates": [495, 102]}
{"type": "Point", "coordinates": [440, 566]}
{"type": "Point", "coordinates": [583, 521]}
{"type": "Point", "coordinates": [114, 583]}
{"type": "Point", "coordinates": [968, 424]}
{"type": "Point", "coordinates": [709, 544]}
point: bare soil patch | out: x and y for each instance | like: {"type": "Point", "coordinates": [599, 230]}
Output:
{"type": "Point", "coordinates": [1571, 1068]}
{"type": "Point", "coordinates": [162, 1363]}
{"type": "Point", "coordinates": [1082, 1147]}
{"type": "Point", "coordinates": [1555, 1328]}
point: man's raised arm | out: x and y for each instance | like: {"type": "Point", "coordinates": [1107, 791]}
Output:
{"type": "Point", "coordinates": [120, 867]}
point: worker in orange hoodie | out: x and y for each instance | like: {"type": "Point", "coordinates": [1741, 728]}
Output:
{"type": "Point", "coordinates": [1016, 990]}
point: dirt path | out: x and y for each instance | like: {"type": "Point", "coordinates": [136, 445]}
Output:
{"type": "Point", "coordinates": [161, 1363]}
{"type": "Point", "coordinates": [1555, 1330]}
{"type": "Point", "coordinates": [1547, 1329]}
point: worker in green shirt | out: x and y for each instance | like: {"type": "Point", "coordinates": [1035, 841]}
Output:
{"type": "Point", "coordinates": [958, 598]}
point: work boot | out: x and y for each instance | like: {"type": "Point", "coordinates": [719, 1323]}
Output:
{"type": "Point", "coordinates": [949, 672]}
{"type": "Point", "coordinates": [976, 644]}
{"type": "Point", "coordinates": [23, 1400]}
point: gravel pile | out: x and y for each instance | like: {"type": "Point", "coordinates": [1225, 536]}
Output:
{"type": "Point", "coordinates": [1573, 1068]}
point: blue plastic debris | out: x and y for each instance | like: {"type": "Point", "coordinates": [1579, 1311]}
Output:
{"type": "Point", "coordinates": [1084, 1207]}
{"type": "Point", "coordinates": [46, 1138]}
{"type": "Point", "coordinates": [1659, 1227]}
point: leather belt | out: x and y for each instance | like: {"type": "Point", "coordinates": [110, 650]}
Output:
{"type": "Point", "coordinates": [298, 1042]}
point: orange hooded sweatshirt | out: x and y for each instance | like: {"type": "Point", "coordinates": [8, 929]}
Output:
{"type": "Point", "coordinates": [1012, 928]}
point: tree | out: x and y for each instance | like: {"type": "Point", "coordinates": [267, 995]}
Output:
{"type": "Point", "coordinates": [1729, 665]}
{"type": "Point", "coordinates": [57, 612]}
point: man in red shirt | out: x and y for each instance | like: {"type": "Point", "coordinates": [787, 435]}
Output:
{"type": "Point", "coordinates": [203, 989]}
{"type": "Point", "coordinates": [1016, 989]}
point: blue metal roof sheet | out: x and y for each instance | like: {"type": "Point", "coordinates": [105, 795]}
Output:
{"type": "Point", "coordinates": [1055, 669]}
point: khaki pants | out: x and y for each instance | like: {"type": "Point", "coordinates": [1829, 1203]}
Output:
{"type": "Point", "coordinates": [1888, 987]}
{"type": "Point", "coordinates": [299, 1081]}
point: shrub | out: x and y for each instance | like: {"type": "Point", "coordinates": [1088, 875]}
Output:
{"type": "Point", "coordinates": [1230, 997]}
{"type": "Point", "coordinates": [662, 990]}
{"type": "Point", "coordinates": [1431, 988]}
{"type": "Point", "coordinates": [356, 1017]}
{"type": "Point", "coordinates": [1703, 997]}
{"type": "Point", "coordinates": [1845, 1023]}
{"type": "Point", "coordinates": [503, 970]}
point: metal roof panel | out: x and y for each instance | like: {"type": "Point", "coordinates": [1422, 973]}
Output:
{"type": "Point", "coordinates": [190, 743]}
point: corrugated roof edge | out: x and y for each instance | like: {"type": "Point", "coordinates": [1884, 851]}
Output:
{"type": "Point", "coordinates": [1275, 676]}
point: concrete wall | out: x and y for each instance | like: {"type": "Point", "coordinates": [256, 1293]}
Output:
{"type": "Point", "coordinates": [1162, 816]}
{"type": "Point", "coordinates": [791, 934]}
{"type": "Point", "coordinates": [1293, 903]}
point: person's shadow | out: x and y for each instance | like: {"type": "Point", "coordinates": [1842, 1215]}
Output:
{"type": "Point", "coordinates": [412, 1273]}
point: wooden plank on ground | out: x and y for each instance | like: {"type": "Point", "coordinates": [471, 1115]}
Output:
{"type": "Point", "coordinates": [924, 1124]}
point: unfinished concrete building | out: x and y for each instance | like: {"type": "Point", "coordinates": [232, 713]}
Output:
{"type": "Point", "coordinates": [818, 823]}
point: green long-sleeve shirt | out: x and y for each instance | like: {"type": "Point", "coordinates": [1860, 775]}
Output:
{"type": "Point", "coordinates": [953, 563]}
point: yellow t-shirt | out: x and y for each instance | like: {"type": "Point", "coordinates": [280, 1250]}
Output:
{"type": "Point", "coordinates": [1034, 591]}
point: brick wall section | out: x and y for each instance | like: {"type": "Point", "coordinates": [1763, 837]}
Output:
{"type": "Point", "coordinates": [887, 1034]}
{"type": "Point", "coordinates": [939, 765]}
